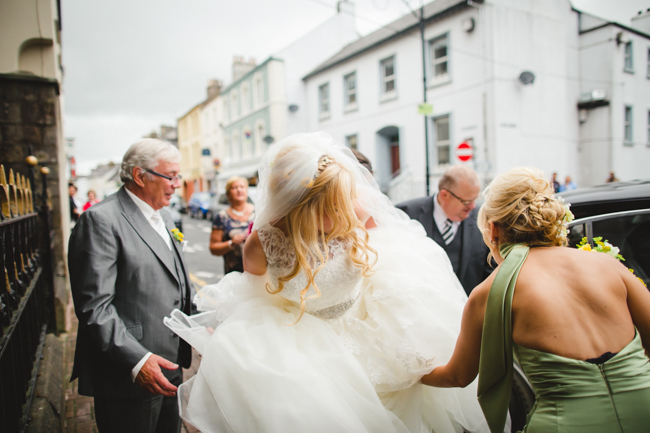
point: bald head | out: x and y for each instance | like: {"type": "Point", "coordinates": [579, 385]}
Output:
{"type": "Point", "coordinates": [456, 174]}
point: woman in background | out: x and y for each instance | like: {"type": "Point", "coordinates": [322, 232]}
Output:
{"type": "Point", "coordinates": [577, 322]}
{"type": "Point", "coordinates": [230, 226]}
{"type": "Point", "coordinates": [92, 199]}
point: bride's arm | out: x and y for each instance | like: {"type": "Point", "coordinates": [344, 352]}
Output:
{"type": "Point", "coordinates": [254, 257]}
{"type": "Point", "coordinates": [463, 366]}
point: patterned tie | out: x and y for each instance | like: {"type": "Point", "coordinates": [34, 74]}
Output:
{"type": "Point", "coordinates": [447, 232]}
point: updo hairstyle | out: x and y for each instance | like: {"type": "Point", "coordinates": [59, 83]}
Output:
{"type": "Point", "coordinates": [522, 204]}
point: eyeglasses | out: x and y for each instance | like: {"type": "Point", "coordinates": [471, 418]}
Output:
{"type": "Point", "coordinates": [463, 202]}
{"type": "Point", "coordinates": [172, 179]}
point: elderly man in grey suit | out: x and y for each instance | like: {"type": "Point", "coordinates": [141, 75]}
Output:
{"type": "Point", "coordinates": [449, 218]}
{"type": "Point", "coordinates": [127, 273]}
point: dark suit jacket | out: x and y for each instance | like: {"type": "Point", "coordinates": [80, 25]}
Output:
{"type": "Point", "coordinates": [473, 266]}
{"type": "Point", "coordinates": [124, 282]}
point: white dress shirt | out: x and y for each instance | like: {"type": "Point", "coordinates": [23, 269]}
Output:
{"type": "Point", "coordinates": [154, 218]}
{"type": "Point", "coordinates": [440, 217]}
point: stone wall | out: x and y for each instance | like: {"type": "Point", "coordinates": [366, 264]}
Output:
{"type": "Point", "coordinates": [30, 115]}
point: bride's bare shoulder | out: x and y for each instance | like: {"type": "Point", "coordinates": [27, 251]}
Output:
{"type": "Point", "coordinates": [254, 258]}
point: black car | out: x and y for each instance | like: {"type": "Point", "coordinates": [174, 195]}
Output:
{"type": "Point", "coordinates": [609, 198]}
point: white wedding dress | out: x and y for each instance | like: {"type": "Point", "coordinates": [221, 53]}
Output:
{"type": "Point", "coordinates": [354, 360]}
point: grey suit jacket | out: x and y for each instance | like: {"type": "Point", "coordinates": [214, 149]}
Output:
{"type": "Point", "coordinates": [473, 266]}
{"type": "Point", "coordinates": [124, 281]}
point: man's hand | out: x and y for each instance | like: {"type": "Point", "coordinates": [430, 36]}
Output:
{"type": "Point", "coordinates": [152, 379]}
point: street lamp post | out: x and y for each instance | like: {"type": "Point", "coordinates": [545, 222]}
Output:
{"type": "Point", "coordinates": [424, 87]}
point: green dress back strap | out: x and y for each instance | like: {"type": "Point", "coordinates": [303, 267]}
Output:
{"type": "Point", "coordinates": [495, 365]}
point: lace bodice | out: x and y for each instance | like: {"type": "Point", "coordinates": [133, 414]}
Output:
{"type": "Point", "coordinates": [338, 281]}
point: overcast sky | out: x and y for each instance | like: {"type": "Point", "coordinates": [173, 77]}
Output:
{"type": "Point", "coordinates": [132, 65]}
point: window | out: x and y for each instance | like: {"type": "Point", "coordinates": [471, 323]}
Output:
{"type": "Point", "coordinates": [441, 131]}
{"type": "Point", "coordinates": [235, 148]}
{"type": "Point", "coordinates": [629, 63]}
{"type": "Point", "coordinates": [628, 125]}
{"type": "Point", "coordinates": [350, 86]}
{"type": "Point", "coordinates": [351, 141]}
{"type": "Point", "coordinates": [234, 104]}
{"type": "Point", "coordinates": [226, 110]}
{"type": "Point", "coordinates": [260, 133]}
{"type": "Point", "coordinates": [648, 128]}
{"type": "Point", "coordinates": [227, 151]}
{"type": "Point", "coordinates": [258, 91]}
{"type": "Point", "coordinates": [439, 59]}
{"type": "Point", "coordinates": [648, 67]}
{"type": "Point", "coordinates": [324, 100]}
{"type": "Point", "coordinates": [245, 98]}
{"type": "Point", "coordinates": [247, 141]}
{"type": "Point", "coordinates": [388, 77]}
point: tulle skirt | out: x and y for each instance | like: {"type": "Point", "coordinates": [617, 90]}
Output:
{"type": "Point", "coordinates": [357, 373]}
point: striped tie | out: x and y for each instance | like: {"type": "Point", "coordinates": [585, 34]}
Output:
{"type": "Point", "coordinates": [447, 233]}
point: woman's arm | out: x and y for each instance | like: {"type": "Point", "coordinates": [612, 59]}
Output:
{"type": "Point", "coordinates": [218, 247]}
{"type": "Point", "coordinates": [463, 366]}
{"type": "Point", "coordinates": [254, 257]}
{"type": "Point", "coordinates": [638, 302]}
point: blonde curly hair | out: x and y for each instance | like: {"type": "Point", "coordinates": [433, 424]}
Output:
{"type": "Point", "coordinates": [331, 193]}
{"type": "Point", "coordinates": [521, 202]}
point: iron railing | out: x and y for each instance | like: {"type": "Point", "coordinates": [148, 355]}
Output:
{"type": "Point", "coordinates": [26, 293]}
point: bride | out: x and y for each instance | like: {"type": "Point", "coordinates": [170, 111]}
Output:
{"type": "Point", "coordinates": [343, 306]}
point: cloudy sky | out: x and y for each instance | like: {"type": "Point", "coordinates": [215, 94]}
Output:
{"type": "Point", "coordinates": [132, 65]}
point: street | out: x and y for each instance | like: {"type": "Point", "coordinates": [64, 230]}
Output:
{"type": "Point", "coordinates": [204, 267]}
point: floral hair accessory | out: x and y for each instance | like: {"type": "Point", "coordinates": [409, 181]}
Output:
{"type": "Point", "coordinates": [178, 235]}
{"type": "Point", "coordinates": [566, 219]}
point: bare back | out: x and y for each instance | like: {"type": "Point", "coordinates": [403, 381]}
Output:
{"type": "Point", "coordinates": [574, 304]}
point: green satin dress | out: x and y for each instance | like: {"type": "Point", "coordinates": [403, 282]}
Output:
{"type": "Point", "coordinates": [572, 395]}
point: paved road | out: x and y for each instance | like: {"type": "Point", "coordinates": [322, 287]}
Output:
{"type": "Point", "coordinates": [204, 267]}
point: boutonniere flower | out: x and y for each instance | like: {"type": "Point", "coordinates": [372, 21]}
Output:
{"type": "Point", "coordinates": [178, 235]}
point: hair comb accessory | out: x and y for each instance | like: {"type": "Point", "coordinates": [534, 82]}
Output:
{"type": "Point", "coordinates": [323, 162]}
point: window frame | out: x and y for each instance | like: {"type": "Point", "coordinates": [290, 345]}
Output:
{"type": "Point", "coordinates": [628, 57]}
{"type": "Point", "coordinates": [350, 93]}
{"type": "Point", "coordinates": [648, 65]}
{"type": "Point", "coordinates": [433, 62]}
{"type": "Point", "coordinates": [648, 138]}
{"type": "Point", "coordinates": [245, 98]}
{"type": "Point", "coordinates": [235, 105]}
{"type": "Point", "coordinates": [384, 79]}
{"type": "Point", "coordinates": [628, 131]}
{"type": "Point", "coordinates": [324, 101]}
{"type": "Point", "coordinates": [348, 141]}
{"type": "Point", "coordinates": [437, 144]}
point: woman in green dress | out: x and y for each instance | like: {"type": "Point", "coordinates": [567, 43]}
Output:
{"type": "Point", "coordinates": [577, 322]}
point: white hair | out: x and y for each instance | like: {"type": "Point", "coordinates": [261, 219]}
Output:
{"type": "Point", "coordinates": [146, 153]}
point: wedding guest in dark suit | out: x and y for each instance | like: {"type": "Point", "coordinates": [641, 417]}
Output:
{"type": "Point", "coordinates": [449, 218]}
{"type": "Point", "coordinates": [127, 273]}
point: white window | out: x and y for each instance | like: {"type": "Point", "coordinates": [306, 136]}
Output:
{"type": "Point", "coordinates": [258, 91]}
{"type": "Point", "coordinates": [351, 141]}
{"type": "Point", "coordinates": [628, 125]}
{"type": "Point", "coordinates": [350, 86]}
{"type": "Point", "coordinates": [649, 128]}
{"type": "Point", "coordinates": [439, 55]}
{"type": "Point", "coordinates": [234, 104]}
{"type": "Point", "coordinates": [226, 110]}
{"type": "Point", "coordinates": [648, 67]}
{"type": "Point", "coordinates": [629, 61]}
{"type": "Point", "coordinates": [226, 149]}
{"type": "Point", "coordinates": [245, 98]}
{"type": "Point", "coordinates": [235, 147]}
{"type": "Point", "coordinates": [324, 100]}
{"type": "Point", "coordinates": [442, 143]}
{"type": "Point", "coordinates": [260, 133]}
{"type": "Point", "coordinates": [247, 141]}
{"type": "Point", "coordinates": [388, 77]}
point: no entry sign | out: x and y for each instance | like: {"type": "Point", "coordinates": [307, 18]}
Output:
{"type": "Point", "coordinates": [464, 151]}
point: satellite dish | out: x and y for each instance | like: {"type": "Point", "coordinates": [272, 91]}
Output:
{"type": "Point", "coordinates": [268, 139]}
{"type": "Point", "coordinates": [293, 108]}
{"type": "Point", "coordinates": [526, 77]}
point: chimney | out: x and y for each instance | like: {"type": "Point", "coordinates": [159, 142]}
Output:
{"type": "Point", "coordinates": [241, 67]}
{"type": "Point", "coordinates": [214, 88]}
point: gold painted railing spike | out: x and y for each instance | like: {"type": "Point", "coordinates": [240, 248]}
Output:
{"type": "Point", "coordinates": [16, 197]}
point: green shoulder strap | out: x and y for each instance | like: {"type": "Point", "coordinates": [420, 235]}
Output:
{"type": "Point", "coordinates": [495, 366]}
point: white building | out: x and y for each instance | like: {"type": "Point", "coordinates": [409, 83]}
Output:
{"type": "Point", "coordinates": [211, 128]}
{"type": "Point", "coordinates": [504, 76]}
{"type": "Point", "coordinates": [269, 102]}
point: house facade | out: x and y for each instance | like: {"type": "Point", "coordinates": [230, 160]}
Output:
{"type": "Point", "coordinates": [504, 79]}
